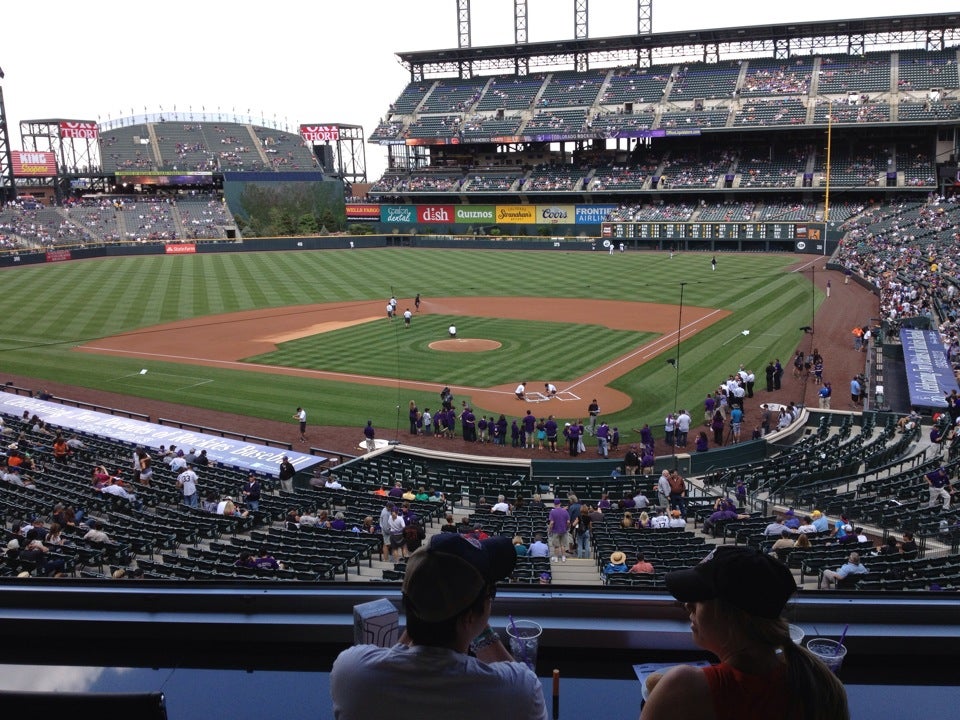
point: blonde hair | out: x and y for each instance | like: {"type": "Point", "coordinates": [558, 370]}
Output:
{"type": "Point", "coordinates": [815, 693]}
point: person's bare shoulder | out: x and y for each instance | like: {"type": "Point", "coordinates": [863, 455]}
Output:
{"type": "Point", "coordinates": [681, 692]}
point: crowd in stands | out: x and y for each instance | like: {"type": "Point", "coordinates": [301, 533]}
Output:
{"type": "Point", "coordinates": [426, 182]}
{"type": "Point", "coordinates": [665, 212]}
{"type": "Point", "coordinates": [554, 177]}
{"type": "Point", "coordinates": [111, 219]}
{"type": "Point", "coordinates": [779, 79]}
{"type": "Point", "coordinates": [726, 211]}
{"type": "Point", "coordinates": [905, 249]}
{"type": "Point", "coordinates": [704, 171]}
{"type": "Point", "coordinates": [622, 177]}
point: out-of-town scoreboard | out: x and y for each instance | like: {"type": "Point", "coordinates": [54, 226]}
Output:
{"type": "Point", "coordinates": [810, 232]}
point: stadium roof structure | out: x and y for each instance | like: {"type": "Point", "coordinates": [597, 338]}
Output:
{"type": "Point", "coordinates": [780, 41]}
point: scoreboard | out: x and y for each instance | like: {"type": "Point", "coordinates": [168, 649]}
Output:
{"type": "Point", "coordinates": [713, 231]}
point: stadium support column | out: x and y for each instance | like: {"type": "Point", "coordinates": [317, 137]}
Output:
{"type": "Point", "coordinates": [644, 17]}
{"type": "Point", "coordinates": [826, 194]}
{"type": "Point", "coordinates": [8, 190]}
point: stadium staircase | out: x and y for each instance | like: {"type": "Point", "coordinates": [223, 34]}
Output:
{"type": "Point", "coordinates": [259, 146]}
{"type": "Point", "coordinates": [154, 145]}
{"type": "Point", "coordinates": [178, 222]}
{"type": "Point", "coordinates": [122, 225]}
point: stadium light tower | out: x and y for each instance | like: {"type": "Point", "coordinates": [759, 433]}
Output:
{"type": "Point", "coordinates": [644, 17]}
{"type": "Point", "coordinates": [463, 35]}
{"type": "Point", "coordinates": [8, 190]}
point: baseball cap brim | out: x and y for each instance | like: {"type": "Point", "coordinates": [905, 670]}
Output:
{"type": "Point", "coordinates": [742, 576]}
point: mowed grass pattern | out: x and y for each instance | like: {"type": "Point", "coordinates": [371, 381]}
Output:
{"type": "Point", "coordinates": [384, 348]}
{"type": "Point", "coordinates": [46, 310]}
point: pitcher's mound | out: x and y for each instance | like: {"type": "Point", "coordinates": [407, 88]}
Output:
{"type": "Point", "coordinates": [464, 345]}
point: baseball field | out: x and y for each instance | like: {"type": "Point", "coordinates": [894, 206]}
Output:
{"type": "Point", "coordinates": [258, 334]}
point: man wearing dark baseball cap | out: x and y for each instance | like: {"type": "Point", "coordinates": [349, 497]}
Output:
{"type": "Point", "coordinates": [448, 591]}
{"type": "Point", "coordinates": [734, 598]}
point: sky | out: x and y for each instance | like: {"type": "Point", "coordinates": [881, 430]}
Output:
{"type": "Point", "coordinates": [300, 61]}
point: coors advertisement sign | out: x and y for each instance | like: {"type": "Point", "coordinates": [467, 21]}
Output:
{"type": "Point", "coordinates": [79, 129]}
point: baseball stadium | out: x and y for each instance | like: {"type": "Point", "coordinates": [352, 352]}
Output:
{"type": "Point", "coordinates": [697, 289]}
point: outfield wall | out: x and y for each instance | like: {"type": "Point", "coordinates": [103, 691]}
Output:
{"type": "Point", "coordinates": [409, 239]}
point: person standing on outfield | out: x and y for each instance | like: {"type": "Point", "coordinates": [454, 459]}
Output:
{"type": "Point", "coordinates": [593, 411]}
{"type": "Point", "coordinates": [855, 390]}
{"type": "Point", "coordinates": [825, 392]}
{"type": "Point", "coordinates": [683, 428]}
{"type": "Point", "coordinates": [713, 263]}
{"type": "Point", "coordinates": [416, 302]}
{"type": "Point", "coordinates": [736, 419]}
{"type": "Point", "coordinates": [529, 425]}
{"type": "Point", "coordinates": [369, 433]}
{"type": "Point", "coordinates": [301, 417]}
{"type": "Point", "coordinates": [550, 426]}
{"type": "Point", "coordinates": [407, 316]}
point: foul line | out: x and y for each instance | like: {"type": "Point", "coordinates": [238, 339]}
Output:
{"type": "Point", "coordinates": [654, 347]}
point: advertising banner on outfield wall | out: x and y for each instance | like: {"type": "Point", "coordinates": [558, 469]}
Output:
{"type": "Point", "coordinates": [398, 213]}
{"type": "Point", "coordinates": [517, 214]}
{"type": "Point", "coordinates": [180, 249]}
{"type": "Point", "coordinates": [363, 211]}
{"type": "Point", "coordinates": [929, 373]}
{"type": "Point", "coordinates": [471, 214]}
{"type": "Point", "coordinates": [435, 213]}
{"type": "Point", "coordinates": [593, 214]}
{"type": "Point", "coordinates": [58, 255]}
{"type": "Point", "coordinates": [556, 214]}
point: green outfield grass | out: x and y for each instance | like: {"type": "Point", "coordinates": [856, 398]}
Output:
{"type": "Point", "coordinates": [49, 309]}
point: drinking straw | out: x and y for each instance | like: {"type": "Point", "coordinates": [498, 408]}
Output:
{"type": "Point", "coordinates": [842, 636]}
{"type": "Point", "coordinates": [516, 634]}
{"type": "Point", "coordinates": [556, 694]}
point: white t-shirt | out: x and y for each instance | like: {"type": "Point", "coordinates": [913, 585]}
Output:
{"type": "Point", "coordinates": [429, 682]}
{"type": "Point", "coordinates": [500, 507]}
